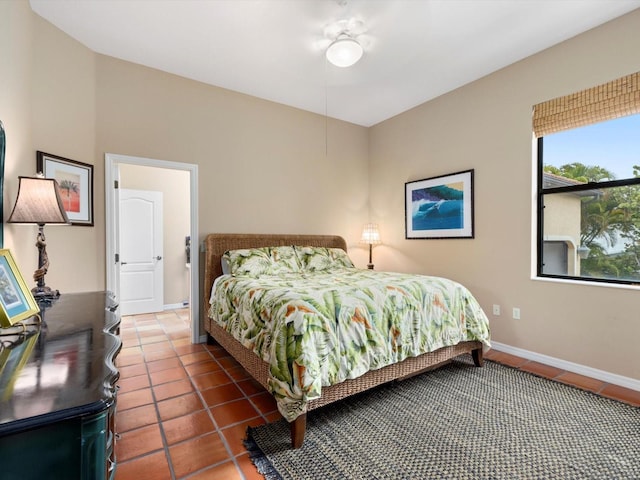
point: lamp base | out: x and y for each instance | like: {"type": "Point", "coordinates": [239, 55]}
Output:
{"type": "Point", "coordinates": [370, 266]}
{"type": "Point", "coordinates": [44, 293]}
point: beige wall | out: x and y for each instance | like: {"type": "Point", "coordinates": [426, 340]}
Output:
{"type": "Point", "coordinates": [50, 107]}
{"type": "Point", "coordinates": [486, 125]}
{"type": "Point", "coordinates": [262, 167]}
{"type": "Point", "coordinates": [174, 185]}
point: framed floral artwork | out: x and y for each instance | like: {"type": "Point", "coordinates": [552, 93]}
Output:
{"type": "Point", "coordinates": [75, 182]}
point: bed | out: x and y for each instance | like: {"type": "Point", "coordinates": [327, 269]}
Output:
{"type": "Point", "coordinates": [216, 245]}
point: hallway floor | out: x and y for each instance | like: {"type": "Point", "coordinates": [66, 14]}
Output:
{"type": "Point", "coordinates": [183, 409]}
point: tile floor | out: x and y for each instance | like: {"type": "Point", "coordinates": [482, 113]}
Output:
{"type": "Point", "coordinates": [183, 409]}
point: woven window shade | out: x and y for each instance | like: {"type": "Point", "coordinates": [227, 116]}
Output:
{"type": "Point", "coordinates": [614, 99]}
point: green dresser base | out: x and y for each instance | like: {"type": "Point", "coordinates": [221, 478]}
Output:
{"type": "Point", "coordinates": [57, 414]}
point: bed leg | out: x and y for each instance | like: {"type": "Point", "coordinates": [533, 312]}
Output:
{"type": "Point", "coordinates": [298, 428]}
{"type": "Point", "coordinates": [478, 359]}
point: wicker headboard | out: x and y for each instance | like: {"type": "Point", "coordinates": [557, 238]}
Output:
{"type": "Point", "coordinates": [218, 243]}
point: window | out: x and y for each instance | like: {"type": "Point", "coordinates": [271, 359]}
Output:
{"type": "Point", "coordinates": [589, 184]}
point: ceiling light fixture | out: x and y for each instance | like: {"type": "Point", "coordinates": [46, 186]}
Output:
{"type": "Point", "coordinates": [344, 51]}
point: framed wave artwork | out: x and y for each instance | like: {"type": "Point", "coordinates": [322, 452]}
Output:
{"type": "Point", "coordinates": [440, 207]}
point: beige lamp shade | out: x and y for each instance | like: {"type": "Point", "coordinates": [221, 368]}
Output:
{"type": "Point", "coordinates": [38, 202]}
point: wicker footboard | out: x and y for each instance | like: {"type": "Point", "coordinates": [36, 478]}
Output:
{"type": "Point", "coordinates": [259, 370]}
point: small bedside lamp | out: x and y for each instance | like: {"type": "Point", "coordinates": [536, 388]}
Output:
{"type": "Point", "coordinates": [39, 202]}
{"type": "Point", "coordinates": [370, 235]}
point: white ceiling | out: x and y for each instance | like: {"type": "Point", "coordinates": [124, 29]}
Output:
{"type": "Point", "coordinates": [415, 50]}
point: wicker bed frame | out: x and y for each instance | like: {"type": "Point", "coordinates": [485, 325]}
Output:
{"type": "Point", "coordinates": [215, 246]}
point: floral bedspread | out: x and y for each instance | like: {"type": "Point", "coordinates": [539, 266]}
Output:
{"type": "Point", "coordinates": [318, 329]}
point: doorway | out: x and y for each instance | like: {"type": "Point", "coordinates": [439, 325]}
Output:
{"type": "Point", "coordinates": [115, 167]}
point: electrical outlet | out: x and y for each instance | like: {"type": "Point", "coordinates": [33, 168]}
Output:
{"type": "Point", "coordinates": [516, 313]}
{"type": "Point", "coordinates": [496, 310]}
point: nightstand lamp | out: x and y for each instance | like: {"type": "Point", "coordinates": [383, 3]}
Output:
{"type": "Point", "coordinates": [370, 235]}
{"type": "Point", "coordinates": [39, 202]}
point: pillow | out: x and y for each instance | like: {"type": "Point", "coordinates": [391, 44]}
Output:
{"type": "Point", "coordinates": [261, 261]}
{"type": "Point", "coordinates": [224, 263]}
{"type": "Point", "coordinates": [340, 258]}
{"type": "Point", "coordinates": [319, 259]}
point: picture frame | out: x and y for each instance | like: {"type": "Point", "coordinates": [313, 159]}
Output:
{"type": "Point", "coordinates": [440, 207]}
{"type": "Point", "coordinates": [75, 182]}
{"type": "Point", "coordinates": [16, 300]}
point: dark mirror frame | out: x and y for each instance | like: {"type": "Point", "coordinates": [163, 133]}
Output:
{"type": "Point", "coordinates": [2, 147]}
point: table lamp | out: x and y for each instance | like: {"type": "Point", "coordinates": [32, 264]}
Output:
{"type": "Point", "coordinates": [39, 202]}
{"type": "Point", "coordinates": [370, 235]}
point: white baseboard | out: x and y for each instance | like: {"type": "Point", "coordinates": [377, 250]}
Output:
{"type": "Point", "coordinates": [202, 339]}
{"type": "Point", "coordinates": [174, 306]}
{"type": "Point", "coordinates": [613, 378]}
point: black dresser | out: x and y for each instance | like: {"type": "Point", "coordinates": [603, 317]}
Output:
{"type": "Point", "coordinates": [58, 393]}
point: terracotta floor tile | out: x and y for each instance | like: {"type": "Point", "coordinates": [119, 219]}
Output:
{"type": "Point", "coordinates": [209, 380]}
{"type": "Point", "coordinates": [193, 455]}
{"type": "Point", "coordinates": [169, 375]}
{"type": "Point", "coordinates": [217, 351]}
{"type": "Point", "coordinates": [237, 373]}
{"type": "Point", "coordinates": [159, 354]}
{"type": "Point", "coordinates": [228, 362]}
{"type": "Point", "coordinates": [152, 347]}
{"type": "Point", "coordinates": [138, 442]}
{"type": "Point", "coordinates": [190, 348]}
{"type": "Point", "coordinates": [508, 359]}
{"type": "Point", "coordinates": [542, 370]}
{"type": "Point", "coordinates": [129, 340]}
{"type": "Point", "coordinates": [180, 342]}
{"type": "Point", "coordinates": [127, 351]}
{"type": "Point", "coordinates": [128, 400]}
{"type": "Point", "coordinates": [130, 384]}
{"type": "Point", "coordinates": [133, 370]}
{"type": "Point", "coordinates": [126, 360]}
{"type": "Point", "coordinates": [235, 435]}
{"type": "Point", "coordinates": [149, 467]}
{"type": "Point", "coordinates": [135, 418]}
{"type": "Point", "coordinates": [580, 381]}
{"type": "Point", "coordinates": [172, 389]}
{"type": "Point", "coordinates": [273, 417]}
{"type": "Point", "coordinates": [154, 339]}
{"type": "Point", "coordinates": [203, 367]}
{"type": "Point", "coordinates": [178, 406]}
{"type": "Point", "coordinates": [621, 393]}
{"type": "Point", "coordinates": [224, 471]}
{"type": "Point", "coordinates": [186, 427]}
{"type": "Point", "coordinates": [251, 387]}
{"type": "Point", "coordinates": [222, 394]}
{"type": "Point", "coordinates": [233, 412]}
{"type": "Point", "coordinates": [145, 318]}
{"type": "Point", "coordinates": [197, 357]}
{"type": "Point", "coordinates": [164, 364]}
{"type": "Point", "coordinates": [264, 402]}
{"type": "Point", "coordinates": [150, 331]}
{"type": "Point", "coordinates": [248, 468]}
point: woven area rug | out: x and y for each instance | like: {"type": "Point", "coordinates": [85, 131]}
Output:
{"type": "Point", "coordinates": [459, 422]}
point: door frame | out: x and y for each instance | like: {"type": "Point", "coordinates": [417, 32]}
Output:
{"type": "Point", "coordinates": [112, 162]}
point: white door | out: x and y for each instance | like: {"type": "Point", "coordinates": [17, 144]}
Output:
{"type": "Point", "coordinates": [141, 266]}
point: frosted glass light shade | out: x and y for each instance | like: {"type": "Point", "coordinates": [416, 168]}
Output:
{"type": "Point", "coordinates": [344, 52]}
